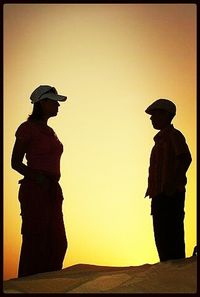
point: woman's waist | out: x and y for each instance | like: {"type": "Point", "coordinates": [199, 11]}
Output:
{"type": "Point", "coordinates": [40, 176]}
{"type": "Point", "coordinates": [50, 167]}
{"type": "Point", "coordinates": [47, 188]}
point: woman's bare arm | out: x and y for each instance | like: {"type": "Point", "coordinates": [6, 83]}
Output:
{"type": "Point", "coordinates": [19, 150]}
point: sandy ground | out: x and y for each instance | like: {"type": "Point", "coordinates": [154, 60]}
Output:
{"type": "Point", "coordinates": [177, 276]}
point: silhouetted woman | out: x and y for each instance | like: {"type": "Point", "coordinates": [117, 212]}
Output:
{"type": "Point", "coordinates": [44, 241]}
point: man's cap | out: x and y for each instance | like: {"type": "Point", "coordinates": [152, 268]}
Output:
{"type": "Point", "coordinates": [46, 92]}
{"type": "Point", "coordinates": [162, 104]}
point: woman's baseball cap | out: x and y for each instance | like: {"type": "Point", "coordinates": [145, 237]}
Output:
{"type": "Point", "coordinates": [162, 104]}
{"type": "Point", "coordinates": [46, 92]}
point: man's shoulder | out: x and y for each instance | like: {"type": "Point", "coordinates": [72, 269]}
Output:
{"type": "Point", "coordinates": [177, 139]}
{"type": "Point", "coordinates": [176, 133]}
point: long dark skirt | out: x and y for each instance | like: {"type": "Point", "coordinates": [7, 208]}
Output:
{"type": "Point", "coordinates": [168, 223]}
{"type": "Point", "coordinates": [44, 241]}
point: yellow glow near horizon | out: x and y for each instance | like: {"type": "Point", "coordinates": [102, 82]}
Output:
{"type": "Point", "coordinates": [112, 61]}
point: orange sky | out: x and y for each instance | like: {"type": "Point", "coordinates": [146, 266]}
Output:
{"type": "Point", "coordinates": [112, 61]}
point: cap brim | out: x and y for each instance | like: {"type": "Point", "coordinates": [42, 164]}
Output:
{"type": "Point", "coordinates": [149, 111]}
{"type": "Point", "coordinates": [55, 97]}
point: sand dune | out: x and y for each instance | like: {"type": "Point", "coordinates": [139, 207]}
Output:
{"type": "Point", "coordinates": [177, 276]}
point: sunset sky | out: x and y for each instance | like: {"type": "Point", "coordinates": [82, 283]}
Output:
{"type": "Point", "coordinates": [111, 61]}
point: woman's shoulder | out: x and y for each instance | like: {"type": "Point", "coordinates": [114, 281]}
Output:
{"type": "Point", "coordinates": [24, 129]}
{"type": "Point", "coordinates": [25, 125]}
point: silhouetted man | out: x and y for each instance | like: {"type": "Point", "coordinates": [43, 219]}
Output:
{"type": "Point", "coordinates": [169, 161]}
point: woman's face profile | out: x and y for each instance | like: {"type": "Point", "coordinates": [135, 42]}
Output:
{"type": "Point", "coordinates": [50, 107]}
